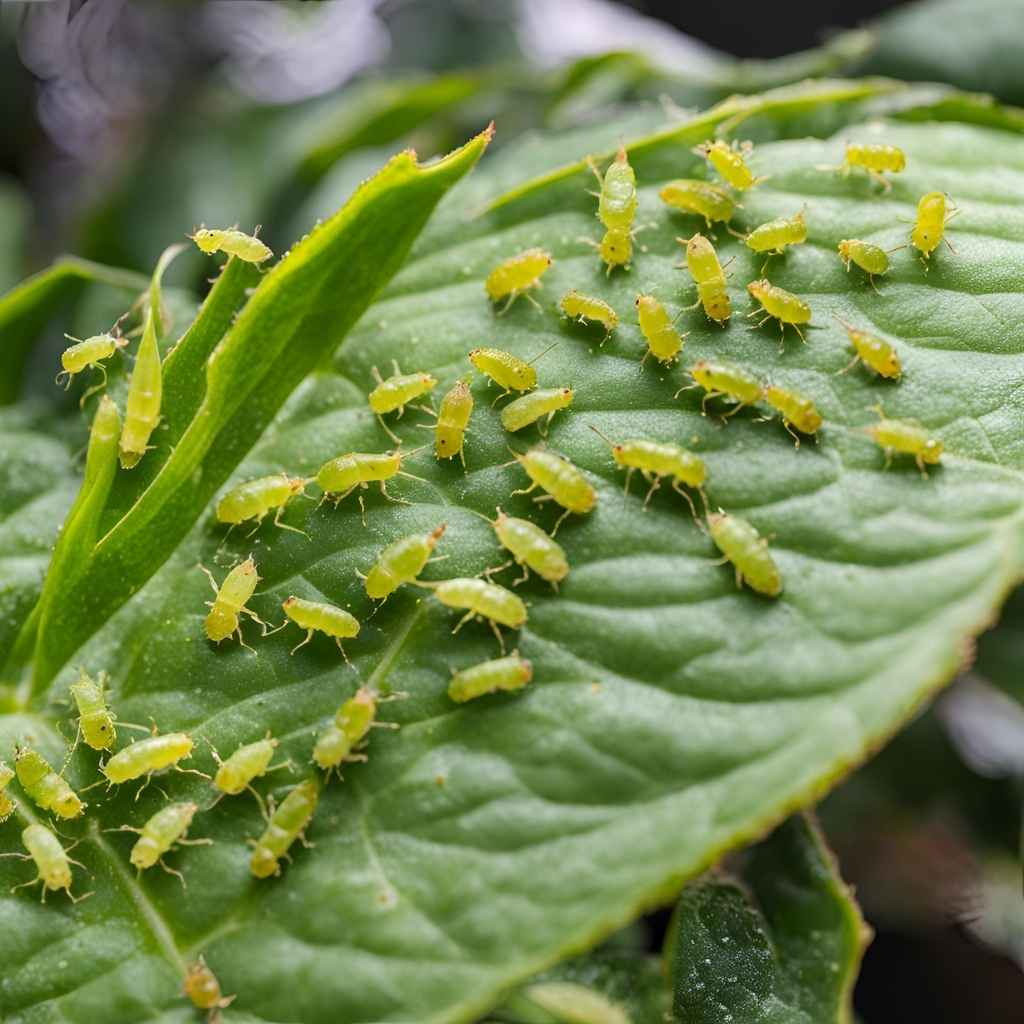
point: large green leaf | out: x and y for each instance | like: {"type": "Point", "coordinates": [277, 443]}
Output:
{"type": "Point", "coordinates": [781, 944]}
{"type": "Point", "coordinates": [672, 716]}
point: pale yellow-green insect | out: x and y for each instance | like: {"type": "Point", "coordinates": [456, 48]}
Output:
{"type": "Point", "coordinates": [516, 275]}
{"type": "Point", "coordinates": [689, 195]}
{"type": "Point", "coordinates": [872, 259]}
{"type": "Point", "coordinates": [145, 394]}
{"type": "Point", "coordinates": [501, 675]}
{"type": "Point", "coordinates": [874, 158]}
{"type": "Point", "coordinates": [165, 829]}
{"type": "Point", "coordinates": [255, 499]}
{"type": "Point", "coordinates": [906, 438]}
{"type": "Point", "coordinates": [481, 599]}
{"type": "Point", "coordinates": [144, 757]}
{"type": "Point", "coordinates": [347, 734]}
{"type": "Point", "coordinates": [616, 209]}
{"type": "Point", "coordinates": [287, 823]}
{"type": "Point", "coordinates": [53, 865]}
{"type": "Point", "coordinates": [731, 162]}
{"type": "Point", "coordinates": [233, 242]}
{"type": "Point", "coordinates": [664, 342]}
{"type": "Point", "coordinates": [795, 409]}
{"type": "Point", "coordinates": [741, 544]}
{"type": "Point", "coordinates": [506, 370]}
{"type": "Point", "coordinates": [250, 761]}
{"type": "Point", "coordinates": [775, 235]}
{"type": "Point", "coordinates": [563, 482]}
{"type": "Point", "coordinates": [400, 562]}
{"type": "Point", "coordinates": [531, 548]}
{"type": "Point", "coordinates": [709, 277]}
{"type": "Point", "coordinates": [930, 227]}
{"type": "Point", "coordinates": [535, 405]}
{"type": "Point", "coordinates": [720, 378]}
{"type": "Point", "coordinates": [203, 989]}
{"type": "Point", "coordinates": [230, 602]}
{"type": "Point", "coordinates": [586, 309]}
{"type": "Point", "coordinates": [874, 352]}
{"type": "Point", "coordinates": [320, 617]}
{"type": "Point", "coordinates": [44, 786]}
{"type": "Point", "coordinates": [453, 421]}
{"type": "Point", "coordinates": [6, 803]}
{"type": "Point", "coordinates": [340, 476]}
{"type": "Point", "coordinates": [398, 391]}
{"type": "Point", "coordinates": [778, 304]}
{"type": "Point", "coordinates": [89, 353]}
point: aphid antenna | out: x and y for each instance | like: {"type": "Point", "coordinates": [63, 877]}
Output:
{"type": "Point", "coordinates": [542, 353]}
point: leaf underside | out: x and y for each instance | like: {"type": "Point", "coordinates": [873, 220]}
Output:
{"type": "Point", "coordinates": [671, 716]}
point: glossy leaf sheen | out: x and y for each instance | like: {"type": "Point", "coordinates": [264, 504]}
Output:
{"type": "Point", "coordinates": [671, 716]}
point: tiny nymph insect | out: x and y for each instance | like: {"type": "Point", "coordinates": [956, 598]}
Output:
{"type": "Point", "coordinates": [397, 392]}
{"type": "Point", "coordinates": [255, 499]}
{"type": "Point", "coordinates": [499, 675]}
{"type": "Point", "coordinates": [873, 351]}
{"type": "Point", "coordinates": [89, 353]}
{"type": "Point", "coordinates": [586, 309]}
{"type": "Point", "coordinates": [340, 476]}
{"type": "Point", "coordinates": [874, 158]}
{"type": "Point", "coordinates": [871, 258]}
{"type": "Point", "coordinates": [929, 229]}
{"type": "Point", "coordinates": [741, 544]}
{"type": "Point", "coordinates": [906, 438]}
{"type": "Point", "coordinates": [287, 823]}
{"type": "Point", "coordinates": [563, 482]}
{"type": "Point", "coordinates": [506, 370]}
{"type": "Point", "coordinates": [535, 405]}
{"type": "Point", "coordinates": [795, 409]}
{"type": "Point", "coordinates": [144, 757]}
{"type": "Point", "coordinates": [145, 394]}
{"type": "Point", "coordinates": [229, 604]}
{"type": "Point", "coordinates": [6, 803]}
{"type": "Point", "coordinates": [53, 865]}
{"type": "Point", "coordinates": [516, 275]}
{"type": "Point", "coordinates": [731, 162]}
{"type": "Point", "coordinates": [664, 342]}
{"type": "Point", "coordinates": [616, 209]}
{"type": "Point", "coordinates": [233, 242]}
{"type": "Point", "coordinates": [778, 304]}
{"type": "Point", "coordinates": [690, 195]}
{"type": "Point", "coordinates": [250, 761]}
{"type": "Point", "coordinates": [709, 277]}
{"type": "Point", "coordinates": [160, 834]}
{"type": "Point", "coordinates": [44, 786]}
{"type": "Point", "coordinates": [202, 988]}
{"type": "Point", "coordinates": [775, 235]}
{"type": "Point", "coordinates": [531, 548]}
{"type": "Point", "coordinates": [318, 616]}
{"type": "Point", "coordinates": [348, 731]}
{"type": "Point", "coordinates": [96, 722]}
{"type": "Point", "coordinates": [400, 562]}
{"type": "Point", "coordinates": [481, 599]}
{"type": "Point", "coordinates": [719, 378]}
{"type": "Point", "coordinates": [453, 421]}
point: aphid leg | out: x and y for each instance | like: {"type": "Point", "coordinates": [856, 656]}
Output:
{"type": "Point", "coordinates": [285, 526]}
{"type": "Point", "coordinates": [337, 640]}
{"type": "Point", "coordinates": [532, 301]}
{"type": "Point", "coordinates": [67, 379]}
{"type": "Point", "coordinates": [882, 180]}
{"type": "Point", "coordinates": [362, 510]}
{"type": "Point", "coordinates": [792, 433]}
{"type": "Point", "coordinates": [309, 636]}
{"type": "Point", "coordinates": [920, 466]}
{"type": "Point", "coordinates": [679, 489]}
{"type": "Point", "coordinates": [488, 573]}
{"type": "Point", "coordinates": [655, 484]}
{"type": "Point", "coordinates": [796, 327]}
{"type": "Point", "coordinates": [497, 633]}
{"type": "Point", "coordinates": [559, 523]}
{"type": "Point", "coordinates": [394, 437]}
{"type": "Point", "coordinates": [390, 497]}
{"type": "Point", "coordinates": [241, 638]}
{"type": "Point", "coordinates": [171, 871]}
{"type": "Point", "coordinates": [525, 490]}
{"type": "Point", "coordinates": [849, 366]}
{"type": "Point", "coordinates": [871, 281]}
{"type": "Point", "coordinates": [629, 476]}
{"type": "Point", "coordinates": [685, 387]}
{"type": "Point", "coordinates": [524, 577]}
{"type": "Point", "coordinates": [96, 387]}
{"type": "Point", "coordinates": [465, 618]}
{"type": "Point", "coordinates": [205, 841]}
{"type": "Point", "coordinates": [209, 576]}
{"type": "Point", "coordinates": [189, 771]}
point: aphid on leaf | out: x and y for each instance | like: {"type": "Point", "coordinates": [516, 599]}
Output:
{"type": "Point", "coordinates": [481, 599]}
{"type": "Point", "coordinates": [929, 228]}
{"type": "Point", "coordinates": [453, 421]}
{"type": "Point", "coordinates": [233, 242]}
{"type": "Point", "coordinates": [144, 757]}
{"type": "Point", "coordinates": [255, 499]}
{"type": "Point", "coordinates": [517, 275]}
{"type": "Point", "coordinates": [96, 722]}
{"type": "Point", "coordinates": [664, 342]}
{"type": "Point", "coordinates": [657, 461]}
{"type": "Point", "coordinates": [229, 604]}
{"type": "Point", "coordinates": [145, 394]}
{"type": "Point", "coordinates": [875, 353]}
{"type": "Point", "coordinates": [872, 259]}
{"type": "Point", "coordinates": [287, 823]}
{"type": "Point", "coordinates": [778, 304]}
{"type": "Point", "coordinates": [250, 761]}
{"type": "Point", "coordinates": [529, 408]}
{"type": "Point", "coordinates": [773, 236]}
{"type": "Point", "coordinates": [506, 370]}
{"type": "Point", "coordinates": [586, 309]}
{"type": "Point", "coordinates": [159, 835]}
{"type": "Point", "coordinates": [741, 544]}
{"type": "Point", "coordinates": [53, 865]}
{"type": "Point", "coordinates": [615, 248]}
{"type": "Point", "coordinates": [500, 675]}
{"type": "Point", "coordinates": [874, 158]}
{"type": "Point", "coordinates": [617, 200]}
{"type": "Point", "coordinates": [400, 562]}
{"type": "Point", "coordinates": [397, 392]}
{"type": "Point", "coordinates": [91, 352]}
{"type": "Point", "coordinates": [690, 195]}
{"type": "Point", "coordinates": [531, 548]}
{"type": "Point", "coordinates": [795, 409]}
{"type": "Point", "coordinates": [564, 483]}
{"type": "Point", "coordinates": [318, 616]}
{"type": "Point", "coordinates": [6, 803]}
{"type": "Point", "coordinates": [719, 378]}
{"type": "Point", "coordinates": [730, 162]}
{"type": "Point", "coordinates": [348, 731]}
{"type": "Point", "coordinates": [340, 476]}
{"type": "Point", "coordinates": [708, 275]}
{"type": "Point", "coordinates": [203, 989]}
{"type": "Point", "coordinates": [44, 786]}
{"type": "Point", "coordinates": [906, 438]}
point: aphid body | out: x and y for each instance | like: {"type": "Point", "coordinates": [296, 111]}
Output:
{"type": "Point", "coordinates": [233, 242]}
{"type": "Point", "coordinates": [615, 248]}
{"type": "Point", "coordinates": [795, 409]}
{"type": "Point", "coordinates": [657, 460]}
{"type": "Point", "coordinates": [587, 309]}
{"type": "Point", "coordinates": [349, 728]}
{"type": "Point", "coordinates": [500, 675]}
{"type": "Point", "coordinates": [285, 826]}
{"type": "Point", "coordinates": [44, 786]}
{"type": "Point", "coordinates": [506, 370]}
{"type": "Point", "coordinates": [730, 162]}
{"type": "Point", "coordinates": [748, 551]}
{"type": "Point", "coordinates": [399, 390]}
{"type": "Point", "coordinates": [562, 481]}
{"type": "Point", "coordinates": [145, 393]}
{"type": "Point", "coordinates": [874, 158]}
{"type": "Point", "coordinates": [617, 201]}
{"type": "Point", "coordinates": [453, 421]}
{"type": "Point", "coordinates": [775, 235]}
{"type": "Point", "coordinates": [706, 271]}
{"type": "Point", "coordinates": [230, 601]}
{"type": "Point", "coordinates": [88, 353]}
{"type": "Point", "coordinates": [250, 761]}
{"type": "Point", "coordinates": [160, 833]}
{"type": "Point", "coordinates": [51, 860]}
{"type": "Point", "coordinates": [874, 352]}
{"type": "Point", "coordinates": [907, 438]}
{"type": "Point", "coordinates": [529, 408]}
{"type": "Point", "coordinates": [517, 275]}
{"type": "Point", "coordinates": [94, 716]}
{"type": "Point", "coordinates": [780, 305]}
{"type": "Point", "coordinates": [872, 259]}
{"type": "Point", "coordinates": [721, 378]}
{"type": "Point", "coordinates": [401, 562]}
{"type": "Point", "coordinates": [690, 195]}
{"type": "Point", "coordinates": [146, 756]}
{"type": "Point", "coordinates": [203, 989]}
{"type": "Point", "coordinates": [6, 803]}
{"type": "Point", "coordinates": [929, 228]}
{"type": "Point", "coordinates": [531, 548]}
{"type": "Point", "coordinates": [255, 499]}
{"type": "Point", "coordinates": [318, 616]}
{"type": "Point", "coordinates": [340, 476]}
{"type": "Point", "coordinates": [480, 598]}
{"type": "Point", "coordinates": [664, 342]}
